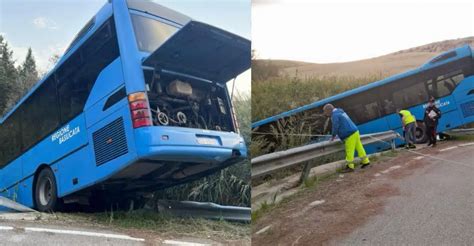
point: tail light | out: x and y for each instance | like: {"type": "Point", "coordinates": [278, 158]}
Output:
{"type": "Point", "coordinates": [140, 110]}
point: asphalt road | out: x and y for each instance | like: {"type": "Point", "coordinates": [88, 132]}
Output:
{"type": "Point", "coordinates": [26, 229]}
{"type": "Point", "coordinates": [47, 235]}
{"type": "Point", "coordinates": [435, 206]}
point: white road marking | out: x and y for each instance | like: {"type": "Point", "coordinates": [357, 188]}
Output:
{"type": "Point", "coordinates": [419, 157]}
{"type": "Point", "coordinates": [466, 144]}
{"type": "Point", "coordinates": [264, 229]}
{"type": "Point", "coordinates": [6, 228]}
{"type": "Point", "coordinates": [391, 169]}
{"type": "Point", "coordinates": [173, 242]}
{"type": "Point", "coordinates": [83, 233]}
{"type": "Point", "coordinates": [450, 148]}
{"type": "Point", "coordinates": [377, 174]}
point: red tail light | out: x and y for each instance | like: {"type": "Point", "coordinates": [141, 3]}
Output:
{"type": "Point", "coordinates": [140, 110]}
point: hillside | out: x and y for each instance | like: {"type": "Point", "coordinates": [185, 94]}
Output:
{"type": "Point", "coordinates": [383, 65]}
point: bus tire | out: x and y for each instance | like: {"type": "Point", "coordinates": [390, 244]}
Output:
{"type": "Point", "coordinates": [421, 133]}
{"type": "Point", "coordinates": [46, 192]}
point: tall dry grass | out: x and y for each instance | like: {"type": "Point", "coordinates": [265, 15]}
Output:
{"type": "Point", "coordinates": [279, 94]}
{"type": "Point", "coordinates": [275, 95]}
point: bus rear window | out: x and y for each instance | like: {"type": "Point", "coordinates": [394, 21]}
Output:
{"type": "Point", "coordinates": [150, 33]}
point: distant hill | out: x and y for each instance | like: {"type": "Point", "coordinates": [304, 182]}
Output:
{"type": "Point", "coordinates": [385, 65]}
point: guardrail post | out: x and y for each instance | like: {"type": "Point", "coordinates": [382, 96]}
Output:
{"type": "Point", "coordinates": [305, 173]}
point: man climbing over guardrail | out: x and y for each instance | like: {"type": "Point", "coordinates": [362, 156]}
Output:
{"type": "Point", "coordinates": [346, 130]}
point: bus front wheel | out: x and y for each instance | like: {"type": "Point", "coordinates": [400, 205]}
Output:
{"type": "Point", "coordinates": [46, 193]}
{"type": "Point", "coordinates": [421, 133]}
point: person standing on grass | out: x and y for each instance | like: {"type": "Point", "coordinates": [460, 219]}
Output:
{"type": "Point", "coordinates": [409, 128]}
{"type": "Point", "coordinates": [432, 115]}
{"type": "Point", "coordinates": [346, 130]}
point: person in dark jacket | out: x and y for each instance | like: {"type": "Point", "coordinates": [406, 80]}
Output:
{"type": "Point", "coordinates": [346, 130]}
{"type": "Point", "coordinates": [432, 115]}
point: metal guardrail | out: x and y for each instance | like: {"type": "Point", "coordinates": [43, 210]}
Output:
{"type": "Point", "coordinates": [460, 132]}
{"type": "Point", "coordinates": [9, 204]}
{"type": "Point", "coordinates": [273, 162]}
{"type": "Point", "coordinates": [206, 210]}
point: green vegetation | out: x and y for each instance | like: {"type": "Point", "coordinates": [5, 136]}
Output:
{"type": "Point", "coordinates": [163, 224]}
{"type": "Point", "coordinates": [279, 94]}
{"type": "Point", "coordinates": [464, 138]}
{"type": "Point", "coordinates": [273, 94]}
{"type": "Point", "coordinates": [14, 81]}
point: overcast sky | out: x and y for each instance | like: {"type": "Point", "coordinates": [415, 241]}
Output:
{"type": "Point", "coordinates": [338, 31]}
{"type": "Point", "coordinates": [48, 26]}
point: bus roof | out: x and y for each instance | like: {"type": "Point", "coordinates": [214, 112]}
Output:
{"type": "Point", "coordinates": [461, 52]}
{"type": "Point", "coordinates": [102, 15]}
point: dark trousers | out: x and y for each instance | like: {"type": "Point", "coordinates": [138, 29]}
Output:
{"type": "Point", "coordinates": [431, 134]}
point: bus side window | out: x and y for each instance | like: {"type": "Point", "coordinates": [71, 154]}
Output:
{"type": "Point", "coordinates": [362, 107]}
{"type": "Point", "coordinates": [457, 78]}
{"type": "Point", "coordinates": [10, 143]}
{"type": "Point", "coordinates": [409, 96]}
{"type": "Point", "coordinates": [85, 65]}
{"type": "Point", "coordinates": [444, 85]}
{"type": "Point", "coordinates": [40, 114]}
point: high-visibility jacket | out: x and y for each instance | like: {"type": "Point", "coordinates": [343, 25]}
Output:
{"type": "Point", "coordinates": [407, 117]}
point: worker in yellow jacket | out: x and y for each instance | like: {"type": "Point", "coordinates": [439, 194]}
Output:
{"type": "Point", "coordinates": [409, 128]}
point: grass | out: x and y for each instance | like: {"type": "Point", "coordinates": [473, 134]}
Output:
{"type": "Point", "coordinates": [279, 94]}
{"type": "Point", "coordinates": [463, 138]}
{"type": "Point", "coordinates": [274, 95]}
{"type": "Point", "coordinates": [264, 208]}
{"type": "Point", "coordinates": [154, 222]}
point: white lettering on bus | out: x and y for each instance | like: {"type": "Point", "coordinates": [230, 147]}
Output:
{"type": "Point", "coordinates": [438, 104]}
{"type": "Point", "coordinates": [65, 134]}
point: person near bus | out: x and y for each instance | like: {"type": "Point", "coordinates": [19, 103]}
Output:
{"type": "Point", "coordinates": [346, 130]}
{"type": "Point", "coordinates": [409, 128]}
{"type": "Point", "coordinates": [432, 115]}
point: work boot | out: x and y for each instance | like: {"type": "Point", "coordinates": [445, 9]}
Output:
{"type": "Point", "coordinates": [429, 144]}
{"type": "Point", "coordinates": [412, 146]}
{"type": "Point", "coordinates": [364, 165]}
{"type": "Point", "coordinates": [407, 146]}
{"type": "Point", "coordinates": [349, 168]}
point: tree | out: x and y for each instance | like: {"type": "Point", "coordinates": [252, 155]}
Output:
{"type": "Point", "coordinates": [8, 76]}
{"type": "Point", "coordinates": [28, 73]}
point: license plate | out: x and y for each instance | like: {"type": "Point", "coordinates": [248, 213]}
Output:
{"type": "Point", "coordinates": [207, 141]}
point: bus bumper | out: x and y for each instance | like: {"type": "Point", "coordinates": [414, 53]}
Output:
{"type": "Point", "coordinates": [179, 144]}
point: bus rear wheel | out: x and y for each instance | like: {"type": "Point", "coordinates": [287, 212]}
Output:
{"type": "Point", "coordinates": [421, 133]}
{"type": "Point", "coordinates": [46, 193]}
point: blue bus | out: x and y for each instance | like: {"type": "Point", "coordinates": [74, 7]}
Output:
{"type": "Point", "coordinates": [448, 77]}
{"type": "Point", "coordinates": [137, 103]}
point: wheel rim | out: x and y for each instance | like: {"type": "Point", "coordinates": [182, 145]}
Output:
{"type": "Point", "coordinates": [45, 191]}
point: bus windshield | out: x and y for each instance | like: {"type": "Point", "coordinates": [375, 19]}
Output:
{"type": "Point", "coordinates": [150, 33]}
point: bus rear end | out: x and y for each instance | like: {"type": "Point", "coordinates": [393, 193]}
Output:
{"type": "Point", "coordinates": [183, 122]}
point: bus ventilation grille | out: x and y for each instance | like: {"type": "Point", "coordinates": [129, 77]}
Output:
{"type": "Point", "coordinates": [468, 109]}
{"type": "Point", "coordinates": [110, 142]}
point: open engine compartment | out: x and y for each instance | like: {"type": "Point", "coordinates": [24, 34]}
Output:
{"type": "Point", "coordinates": [186, 102]}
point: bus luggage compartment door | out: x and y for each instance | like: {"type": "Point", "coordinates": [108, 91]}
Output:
{"type": "Point", "coordinates": [202, 51]}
